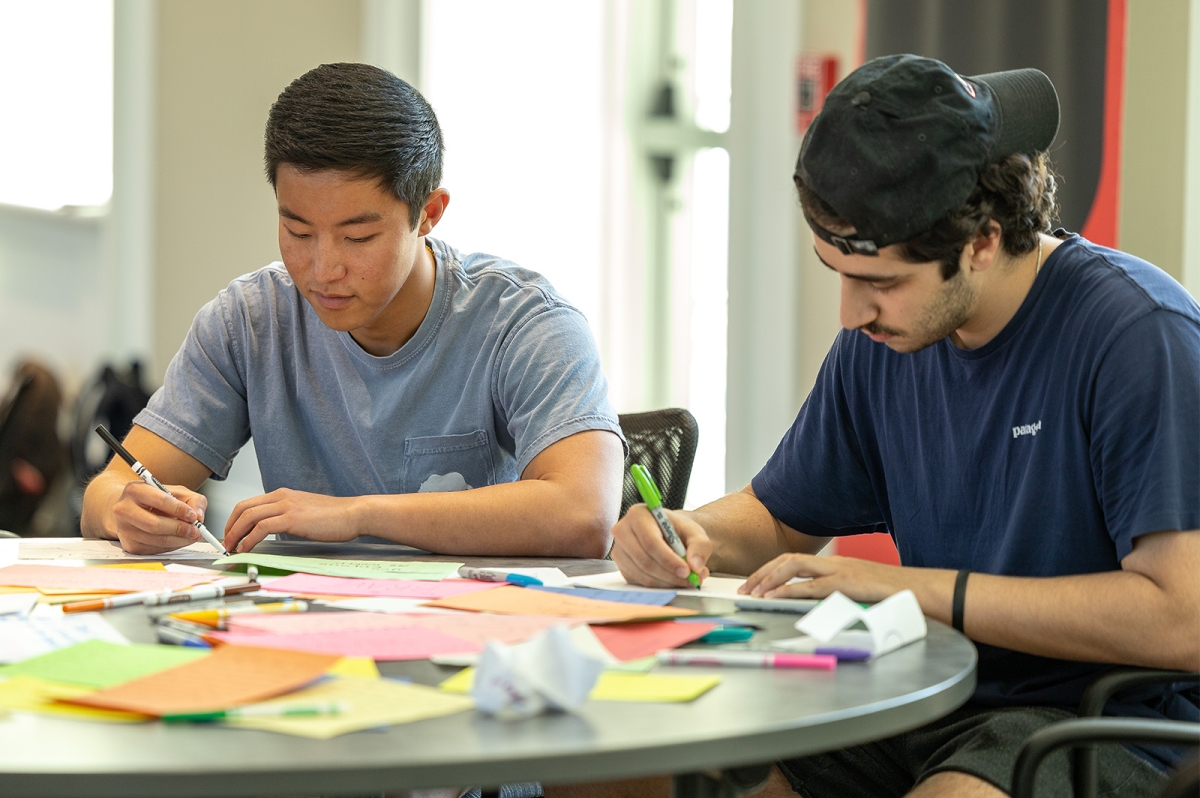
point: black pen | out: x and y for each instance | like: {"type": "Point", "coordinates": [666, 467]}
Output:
{"type": "Point", "coordinates": [145, 475]}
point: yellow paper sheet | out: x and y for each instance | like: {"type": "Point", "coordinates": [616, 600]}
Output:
{"type": "Point", "coordinates": [618, 686]}
{"type": "Point", "coordinates": [355, 667]}
{"type": "Point", "coordinates": [67, 598]}
{"type": "Point", "coordinates": [31, 694]}
{"type": "Point", "coordinates": [136, 566]}
{"type": "Point", "coordinates": [372, 703]}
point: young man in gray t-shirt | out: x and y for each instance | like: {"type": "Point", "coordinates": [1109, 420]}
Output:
{"type": "Point", "coordinates": [395, 388]}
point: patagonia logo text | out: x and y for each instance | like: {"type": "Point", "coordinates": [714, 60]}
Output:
{"type": "Point", "coordinates": [1027, 429]}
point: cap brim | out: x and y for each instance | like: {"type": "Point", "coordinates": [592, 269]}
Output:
{"type": "Point", "coordinates": [1029, 110]}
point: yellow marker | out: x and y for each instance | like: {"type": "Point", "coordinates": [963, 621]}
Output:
{"type": "Point", "coordinates": [219, 619]}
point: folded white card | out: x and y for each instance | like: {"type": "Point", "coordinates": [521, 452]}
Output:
{"type": "Point", "coordinates": [545, 672]}
{"type": "Point", "coordinates": [896, 621]}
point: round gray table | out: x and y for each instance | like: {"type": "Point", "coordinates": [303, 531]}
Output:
{"type": "Point", "coordinates": [752, 716]}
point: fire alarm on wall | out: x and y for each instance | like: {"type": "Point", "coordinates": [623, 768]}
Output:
{"type": "Point", "coordinates": [816, 75]}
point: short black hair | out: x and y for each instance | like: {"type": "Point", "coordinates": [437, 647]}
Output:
{"type": "Point", "coordinates": [1017, 192]}
{"type": "Point", "coordinates": [360, 119]}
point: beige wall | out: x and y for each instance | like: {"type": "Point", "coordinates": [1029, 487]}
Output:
{"type": "Point", "coordinates": [828, 26]}
{"type": "Point", "coordinates": [221, 65]}
{"type": "Point", "coordinates": [1153, 154]}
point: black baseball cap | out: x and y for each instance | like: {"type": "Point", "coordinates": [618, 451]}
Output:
{"type": "Point", "coordinates": [902, 140]}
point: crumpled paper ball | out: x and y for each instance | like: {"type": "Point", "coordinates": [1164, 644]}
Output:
{"type": "Point", "coordinates": [546, 672]}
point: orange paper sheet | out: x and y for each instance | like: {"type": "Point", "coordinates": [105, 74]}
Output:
{"type": "Point", "coordinates": [519, 601]}
{"type": "Point", "coordinates": [97, 580]}
{"type": "Point", "coordinates": [229, 677]}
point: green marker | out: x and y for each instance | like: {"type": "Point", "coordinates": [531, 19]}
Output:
{"type": "Point", "coordinates": [653, 499]}
{"type": "Point", "coordinates": [260, 711]}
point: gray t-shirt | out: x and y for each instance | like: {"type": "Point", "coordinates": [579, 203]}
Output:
{"type": "Point", "coordinates": [501, 368]}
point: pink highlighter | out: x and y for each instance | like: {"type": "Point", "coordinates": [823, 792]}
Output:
{"type": "Point", "coordinates": [748, 659]}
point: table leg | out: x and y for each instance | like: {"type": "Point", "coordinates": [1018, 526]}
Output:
{"type": "Point", "coordinates": [731, 783]}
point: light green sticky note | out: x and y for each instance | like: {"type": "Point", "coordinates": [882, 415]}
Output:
{"type": "Point", "coordinates": [363, 569]}
{"type": "Point", "coordinates": [100, 664]}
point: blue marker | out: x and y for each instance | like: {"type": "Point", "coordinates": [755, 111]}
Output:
{"type": "Point", "coordinates": [177, 638]}
{"type": "Point", "coordinates": [497, 575]}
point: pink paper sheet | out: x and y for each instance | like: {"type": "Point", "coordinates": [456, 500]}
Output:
{"type": "Point", "coordinates": [376, 588]}
{"type": "Point", "coordinates": [380, 643]}
{"type": "Point", "coordinates": [476, 627]}
{"type": "Point", "coordinates": [100, 580]}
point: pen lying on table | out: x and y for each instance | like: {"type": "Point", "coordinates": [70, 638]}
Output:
{"type": "Point", "coordinates": [218, 618]}
{"type": "Point", "coordinates": [261, 711]}
{"type": "Point", "coordinates": [152, 597]}
{"type": "Point", "coordinates": [177, 637]}
{"type": "Point", "coordinates": [497, 575]}
{"type": "Point", "coordinates": [748, 659]}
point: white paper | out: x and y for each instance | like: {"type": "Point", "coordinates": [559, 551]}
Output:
{"type": "Point", "coordinates": [545, 672]}
{"type": "Point", "coordinates": [89, 549]}
{"type": "Point", "coordinates": [896, 621]}
{"type": "Point", "coordinates": [10, 551]}
{"type": "Point", "coordinates": [17, 603]}
{"type": "Point", "coordinates": [22, 638]}
{"type": "Point", "coordinates": [394, 606]}
{"type": "Point", "coordinates": [714, 586]}
{"type": "Point", "coordinates": [456, 660]}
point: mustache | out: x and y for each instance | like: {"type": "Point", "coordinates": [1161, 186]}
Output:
{"type": "Point", "coordinates": [879, 329]}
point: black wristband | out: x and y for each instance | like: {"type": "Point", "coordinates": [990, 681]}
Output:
{"type": "Point", "coordinates": [960, 597]}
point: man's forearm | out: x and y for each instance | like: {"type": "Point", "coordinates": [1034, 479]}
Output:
{"type": "Point", "coordinates": [528, 518]}
{"type": "Point", "coordinates": [1117, 617]}
{"type": "Point", "coordinates": [745, 535]}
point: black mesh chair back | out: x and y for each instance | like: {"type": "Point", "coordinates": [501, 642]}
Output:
{"type": "Point", "coordinates": [664, 441]}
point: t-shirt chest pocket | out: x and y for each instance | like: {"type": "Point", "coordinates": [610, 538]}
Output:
{"type": "Point", "coordinates": [442, 463]}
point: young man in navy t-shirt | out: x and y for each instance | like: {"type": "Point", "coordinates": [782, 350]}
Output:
{"type": "Point", "coordinates": [1019, 409]}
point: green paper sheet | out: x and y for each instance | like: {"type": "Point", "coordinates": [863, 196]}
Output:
{"type": "Point", "coordinates": [372, 569]}
{"type": "Point", "coordinates": [100, 664]}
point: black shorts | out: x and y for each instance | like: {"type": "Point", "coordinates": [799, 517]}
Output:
{"type": "Point", "coordinates": [980, 741]}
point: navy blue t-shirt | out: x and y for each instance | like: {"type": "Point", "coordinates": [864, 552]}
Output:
{"type": "Point", "coordinates": [1045, 452]}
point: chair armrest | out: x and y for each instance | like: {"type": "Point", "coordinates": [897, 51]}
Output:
{"type": "Point", "coordinates": [1094, 730]}
{"type": "Point", "coordinates": [1092, 706]}
{"type": "Point", "coordinates": [1097, 695]}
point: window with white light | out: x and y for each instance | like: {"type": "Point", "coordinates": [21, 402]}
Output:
{"type": "Point", "coordinates": [519, 94]}
{"type": "Point", "coordinates": [541, 103]}
{"type": "Point", "coordinates": [56, 102]}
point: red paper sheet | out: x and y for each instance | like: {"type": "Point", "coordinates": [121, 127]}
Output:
{"type": "Point", "coordinates": [637, 640]}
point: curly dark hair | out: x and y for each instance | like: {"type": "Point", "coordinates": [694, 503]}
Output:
{"type": "Point", "coordinates": [1017, 193]}
{"type": "Point", "coordinates": [359, 119]}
